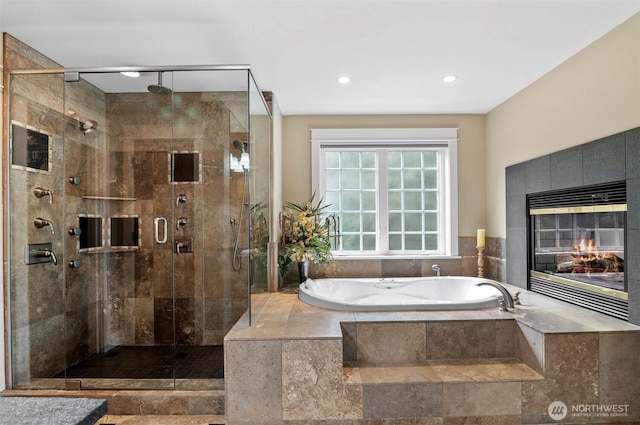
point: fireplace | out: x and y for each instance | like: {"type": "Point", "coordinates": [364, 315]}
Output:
{"type": "Point", "coordinates": [577, 246]}
{"type": "Point", "coordinates": [597, 173]}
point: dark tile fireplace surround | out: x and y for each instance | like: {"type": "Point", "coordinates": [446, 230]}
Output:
{"type": "Point", "coordinates": [610, 159]}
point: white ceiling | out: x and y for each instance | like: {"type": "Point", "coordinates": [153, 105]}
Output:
{"type": "Point", "coordinates": [395, 51]}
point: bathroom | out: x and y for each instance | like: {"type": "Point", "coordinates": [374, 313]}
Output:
{"type": "Point", "coordinates": [486, 139]}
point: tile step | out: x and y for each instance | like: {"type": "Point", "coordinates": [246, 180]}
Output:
{"type": "Point", "coordinates": [161, 420]}
{"type": "Point", "coordinates": [147, 402]}
{"type": "Point", "coordinates": [433, 371]}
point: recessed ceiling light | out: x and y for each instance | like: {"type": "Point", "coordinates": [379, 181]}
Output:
{"type": "Point", "coordinates": [344, 80]}
{"type": "Point", "coordinates": [449, 79]}
{"type": "Point", "coordinates": [132, 74]}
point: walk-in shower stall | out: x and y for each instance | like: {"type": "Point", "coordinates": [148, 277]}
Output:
{"type": "Point", "coordinates": [137, 223]}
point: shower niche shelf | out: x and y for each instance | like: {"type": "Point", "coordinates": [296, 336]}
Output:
{"type": "Point", "coordinates": [107, 198]}
{"type": "Point", "coordinates": [116, 234]}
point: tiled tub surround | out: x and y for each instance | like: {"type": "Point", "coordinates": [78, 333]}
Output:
{"type": "Point", "coordinates": [300, 364]}
{"type": "Point", "coordinates": [465, 264]}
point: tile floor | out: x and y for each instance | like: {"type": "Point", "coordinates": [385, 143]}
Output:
{"type": "Point", "coordinates": [152, 362]}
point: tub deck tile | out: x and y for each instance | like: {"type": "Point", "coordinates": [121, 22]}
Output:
{"type": "Point", "coordinates": [438, 315]}
{"type": "Point", "coordinates": [269, 321]}
{"type": "Point", "coordinates": [312, 322]}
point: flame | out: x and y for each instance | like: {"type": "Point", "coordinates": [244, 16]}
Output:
{"type": "Point", "coordinates": [587, 252]}
{"type": "Point", "coordinates": [586, 246]}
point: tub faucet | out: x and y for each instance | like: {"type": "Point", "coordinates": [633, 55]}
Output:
{"type": "Point", "coordinates": [436, 268]}
{"type": "Point", "coordinates": [508, 299]}
{"type": "Point", "coordinates": [46, 253]}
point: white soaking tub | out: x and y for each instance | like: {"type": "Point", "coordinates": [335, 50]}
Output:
{"type": "Point", "coordinates": [400, 294]}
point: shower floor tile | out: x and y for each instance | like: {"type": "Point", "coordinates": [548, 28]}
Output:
{"type": "Point", "coordinates": [151, 362]}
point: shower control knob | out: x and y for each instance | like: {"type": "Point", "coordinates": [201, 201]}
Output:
{"type": "Point", "coordinates": [75, 231]}
{"type": "Point", "coordinates": [75, 264]}
{"type": "Point", "coordinates": [75, 179]}
{"type": "Point", "coordinates": [181, 199]}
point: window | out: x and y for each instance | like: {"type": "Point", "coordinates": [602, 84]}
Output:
{"type": "Point", "coordinates": [393, 190]}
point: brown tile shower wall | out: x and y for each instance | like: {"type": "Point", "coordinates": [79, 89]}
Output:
{"type": "Point", "coordinates": [210, 296]}
{"type": "Point", "coordinates": [84, 288]}
{"type": "Point", "coordinates": [38, 293]}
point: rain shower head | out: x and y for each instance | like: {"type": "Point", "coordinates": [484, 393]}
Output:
{"type": "Point", "coordinates": [159, 88]}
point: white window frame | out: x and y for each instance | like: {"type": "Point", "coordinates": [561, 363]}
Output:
{"type": "Point", "coordinates": [412, 138]}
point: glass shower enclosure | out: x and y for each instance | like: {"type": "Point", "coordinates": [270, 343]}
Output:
{"type": "Point", "coordinates": [138, 223]}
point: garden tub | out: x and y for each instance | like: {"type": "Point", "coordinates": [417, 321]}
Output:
{"type": "Point", "coordinates": [400, 294]}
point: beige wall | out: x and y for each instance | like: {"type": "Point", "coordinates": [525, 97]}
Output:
{"type": "Point", "coordinates": [296, 155]}
{"type": "Point", "coordinates": [593, 94]}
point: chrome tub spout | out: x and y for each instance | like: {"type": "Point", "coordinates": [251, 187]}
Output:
{"type": "Point", "coordinates": [508, 299]}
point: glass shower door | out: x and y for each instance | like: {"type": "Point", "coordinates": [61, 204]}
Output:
{"type": "Point", "coordinates": [203, 270]}
{"type": "Point", "coordinates": [211, 275]}
{"type": "Point", "coordinates": [121, 308]}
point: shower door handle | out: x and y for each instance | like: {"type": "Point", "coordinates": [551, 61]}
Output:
{"type": "Point", "coordinates": [156, 229]}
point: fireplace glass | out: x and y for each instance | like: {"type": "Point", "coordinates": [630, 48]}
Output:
{"type": "Point", "coordinates": [584, 245]}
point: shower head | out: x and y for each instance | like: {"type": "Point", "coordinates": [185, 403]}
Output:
{"type": "Point", "coordinates": [238, 145]}
{"type": "Point", "coordinates": [88, 126]}
{"type": "Point", "coordinates": [159, 88]}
